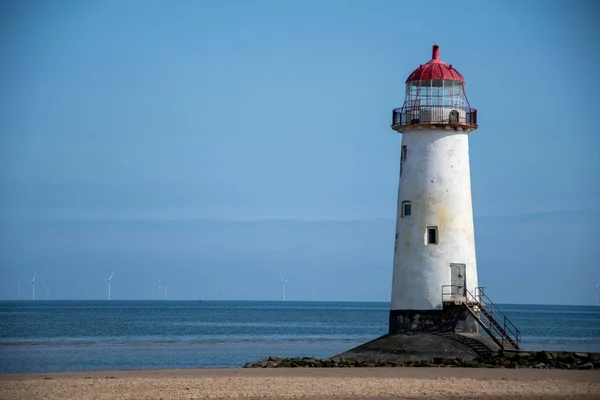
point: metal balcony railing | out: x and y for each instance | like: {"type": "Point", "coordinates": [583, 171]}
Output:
{"type": "Point", "coordinates": [434, 115]}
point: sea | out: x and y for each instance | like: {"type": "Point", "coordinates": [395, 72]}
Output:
{"type": "Point", "coordinates": [66, 336]}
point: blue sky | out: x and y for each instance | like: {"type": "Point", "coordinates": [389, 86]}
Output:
{"type": "Point", "coordinates": [260, 110]}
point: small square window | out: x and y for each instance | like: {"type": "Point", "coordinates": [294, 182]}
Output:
{"type": "Point", "coordinates": [406, 208]}
{"type": "Point", "coordinates": [432, 235]}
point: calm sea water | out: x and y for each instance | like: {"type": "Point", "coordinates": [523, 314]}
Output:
{"type": "Point", "coordinates": [53, 336]}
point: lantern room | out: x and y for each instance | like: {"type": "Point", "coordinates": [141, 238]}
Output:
{"type": "Point", "coordinates": [435, 96]}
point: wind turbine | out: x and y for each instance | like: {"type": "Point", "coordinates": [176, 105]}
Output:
{"type": "Point", "coordinates": [597, 293]}
{"type": "Point", "coordinates": [314, 289]}
{"type": "Point", "coordinates": [108, 280]}
{"type": "Point", "coordinates": [222, 288]}
{"type": "Point", "coordinates": [47, 289]}
{"type": "Point", "coordinates": [19, 290]}
{"type": "Point", "coordinates": [33, 286]}
{"type": "Point", "coordinates": [158, 288]}
{"type": "Point", "coordinates": [165, 288]}
{"type": "Point", "coordinates": [283, 282]}
{"type": "Point", "coordinates": [550, 296]}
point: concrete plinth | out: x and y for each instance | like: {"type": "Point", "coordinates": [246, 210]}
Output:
{"type": "Point", "coordinates": [422, 335]}
{"type": "Point", "coordinates": [423, 347]}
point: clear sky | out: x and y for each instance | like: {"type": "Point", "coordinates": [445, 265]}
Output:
{"type": "Point", "coordinates": [133, 116]}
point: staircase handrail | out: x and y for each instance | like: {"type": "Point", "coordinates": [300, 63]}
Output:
{"type": "Point", "coordinates": [485, 323]}
{"type": "Point", "coordinates": [491, 319]}
{"type": "Point", "coordinates": [509, 327]}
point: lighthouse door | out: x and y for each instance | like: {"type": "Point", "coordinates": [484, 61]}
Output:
{"type": "Point", "coordinates": [458, 280]}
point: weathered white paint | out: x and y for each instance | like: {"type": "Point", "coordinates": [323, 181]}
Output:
{"type": "Point", "coordinates": [435, 178]}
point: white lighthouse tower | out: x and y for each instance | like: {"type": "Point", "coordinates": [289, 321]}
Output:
{"type": "Point", "coordinates": [435, 243]}
{"type": "Point", "coordinates": [437, 307]}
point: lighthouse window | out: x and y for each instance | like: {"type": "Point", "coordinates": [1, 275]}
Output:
{"type": "Point", "coordinates": [406, 208]}
{"type": "Point", "coordinates": [403, 155]}
{"type": "Point", "coordinates": [432, 235]}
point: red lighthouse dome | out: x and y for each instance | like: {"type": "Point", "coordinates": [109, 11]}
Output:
{"type": "Point", "coordinates": [435, 69]}
{"type": "Point", "coordinates": [435, 97]}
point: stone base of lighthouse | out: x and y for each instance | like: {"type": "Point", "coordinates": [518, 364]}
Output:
{"type": "Point", "coordinates": [422, 335]}
{"type": "Point", "coordinates": [452, 318]}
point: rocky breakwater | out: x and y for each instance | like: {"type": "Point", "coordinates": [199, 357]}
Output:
{"type": "Point", "coordinates": [537, 360]}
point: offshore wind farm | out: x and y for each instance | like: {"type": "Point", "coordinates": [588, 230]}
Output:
{"type": "Point", "coordinates": [161, 291]}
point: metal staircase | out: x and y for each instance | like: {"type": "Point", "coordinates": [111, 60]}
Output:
{"type": "Point", "coordinates": [498, 327]}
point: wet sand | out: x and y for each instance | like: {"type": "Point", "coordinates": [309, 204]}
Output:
{"type": "Point", "coordinates": [300, 383]}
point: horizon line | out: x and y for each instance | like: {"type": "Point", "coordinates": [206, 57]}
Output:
{"type": "Point", "coordinates": [276, 219]}
{"type": "Point", "coordinates": [267, 301]}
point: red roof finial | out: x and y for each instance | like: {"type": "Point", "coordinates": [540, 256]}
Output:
{"type": "Point", "coordinates": [435, 69]}
{"type": "Point", "coordinates": [435, 54]}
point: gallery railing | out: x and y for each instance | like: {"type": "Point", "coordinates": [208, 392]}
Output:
{"type": "Point", "coordinates": [452, 116]}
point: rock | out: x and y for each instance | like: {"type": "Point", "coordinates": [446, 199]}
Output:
{"type": "Point", "coordinates": [522, 356]}
{"type": "Point", "coordinates": [569, 359]}
{"type": "Point", "coordinates": [543, 357]}
{"type": "Point", "coordinates": [470, 364]}
{"type": "Point", "coordinates": [587, 365]}
{"type": "Point", "coordinates": [562, 365]}
{"type": "Point", "coordinates": [581, 356]}
{"type": "Point", "coordinates": [425, 364]}
{"type": "Point", "coordinates": [537, 360]}
{"type": "Point", "coordinates": [498, 362]}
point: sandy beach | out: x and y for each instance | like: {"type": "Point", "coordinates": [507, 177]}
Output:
{"type": "Point", "coordinates": [360, 383]}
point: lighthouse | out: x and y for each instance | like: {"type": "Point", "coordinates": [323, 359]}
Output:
{"type": "Point", "coordinates": [434, 250]}
{"type": "Point", "coordinates": [437, 306]}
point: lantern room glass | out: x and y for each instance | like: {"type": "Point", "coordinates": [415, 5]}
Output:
{"type": "Point", "coordinates": [435, 92]}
